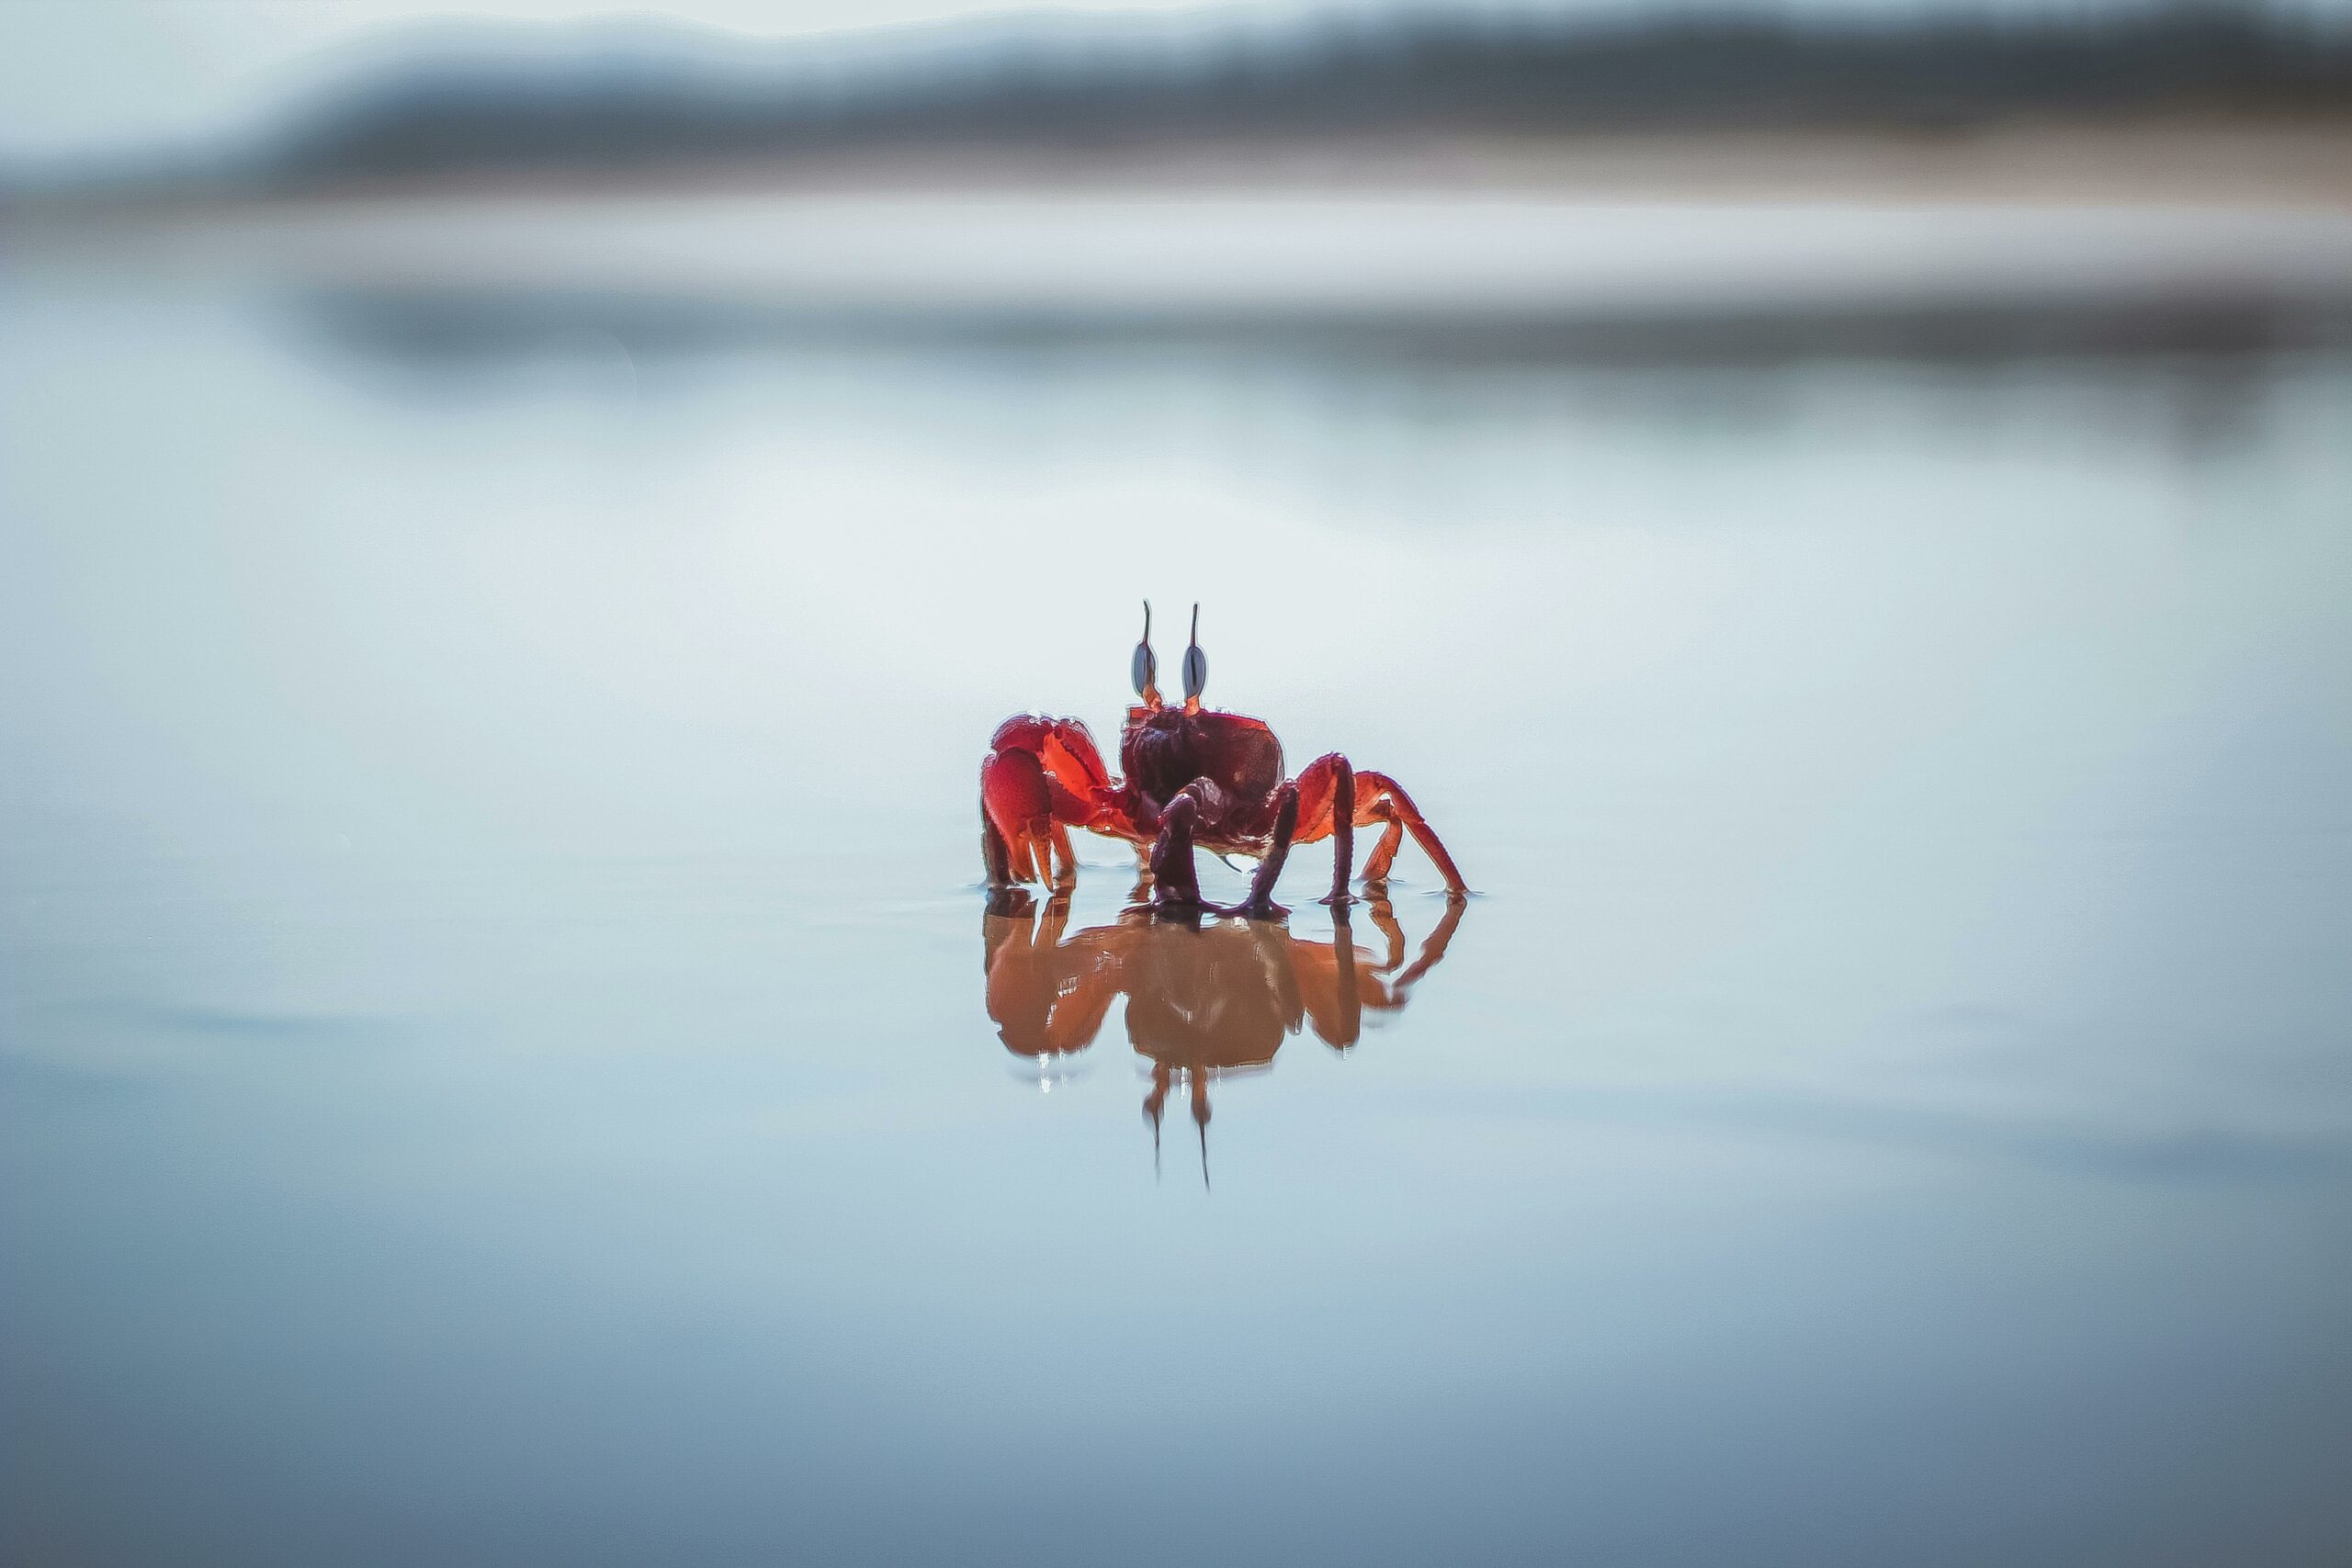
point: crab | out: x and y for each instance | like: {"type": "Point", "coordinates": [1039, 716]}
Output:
{"type": "Point", "coordinates": [1194, 778]}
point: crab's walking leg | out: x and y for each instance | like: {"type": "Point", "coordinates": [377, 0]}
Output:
{"type": "Point", "coordinates": [1376, 798]}
{"type": "Point", "coordinates": [1383, 854]}
{"type": "Point", "coordinates": [1405, 814]}
{"type": "Point", "coordinates": [1322, 784]}
{"type": "Point", "coordinates": [1343, 832]}
{"type": "Point", "coordinates": [1260, 905]}
{"type": "Point", "coordinates": [1175, 885]}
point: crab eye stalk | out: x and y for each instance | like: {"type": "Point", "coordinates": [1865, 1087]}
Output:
{"type": "Point", "coordinates": [1145, 669]}
{"type": "Point", "coordinates": [1196, 664]}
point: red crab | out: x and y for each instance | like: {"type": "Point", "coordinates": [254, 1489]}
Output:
{"type": "Point", "coordinates": [1194, 777]}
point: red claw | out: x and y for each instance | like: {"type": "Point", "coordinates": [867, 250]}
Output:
{"type": "Point", "coordinates": [1041, 778]}
{"type": "Point", "coordinates": [1019, 812]}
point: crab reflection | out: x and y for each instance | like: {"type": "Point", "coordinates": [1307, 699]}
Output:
{"type": "Point", "coordinates": [1202, 999]}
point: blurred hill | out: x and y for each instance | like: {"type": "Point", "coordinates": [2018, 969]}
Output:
{"type": "Point", "coordinates": [636, 101]}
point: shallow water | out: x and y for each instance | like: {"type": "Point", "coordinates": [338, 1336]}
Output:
{"type": "Point", "coordinates": [497, 1049]}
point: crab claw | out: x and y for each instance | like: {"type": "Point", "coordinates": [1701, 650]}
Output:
{"type": "Point", "coordinates": [1041, 777]}
{"type": "Point", "coordinates": [1019, 813]}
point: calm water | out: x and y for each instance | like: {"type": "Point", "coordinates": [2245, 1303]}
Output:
{"type": "Point", "coordinates": [494, 989]}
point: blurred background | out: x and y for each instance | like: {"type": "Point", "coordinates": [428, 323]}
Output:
{"type": "Point", "coordinates": [1605, 175]}
{"type": "Point", "coordinates": [518, 520]}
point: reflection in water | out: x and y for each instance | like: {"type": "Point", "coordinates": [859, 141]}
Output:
{"type": "Point", "coordinates": [1203, 1001]}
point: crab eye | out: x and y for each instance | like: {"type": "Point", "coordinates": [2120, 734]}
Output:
{"type": "Point", "coordinates": [1196, 663]}
{"type": "Point", "coordinates": [1145, 669]}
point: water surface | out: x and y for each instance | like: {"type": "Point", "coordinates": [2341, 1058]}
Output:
{"type": "Point", "coordinates": [495, 1037]}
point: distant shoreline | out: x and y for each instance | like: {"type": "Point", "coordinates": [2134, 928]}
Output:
{"type": "Point", "coordinates": [2180, 233]}
{"type": "Point", "coordinates": [2225, 161]}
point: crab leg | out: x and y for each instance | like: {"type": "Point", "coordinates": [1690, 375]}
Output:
{"type": "Point", "coordinates": [1260, 905]}
{"type": "Point", "coordinates": [1392, 795]}
{"type": "Point", "coordinates": [1376, 798]}
{"type": "Point", "coordinates": [1175, 881]}
{"type": "Point", "coordinates": [1383, 854]}
{"type": "Point", "coordinates": [1343, 832]}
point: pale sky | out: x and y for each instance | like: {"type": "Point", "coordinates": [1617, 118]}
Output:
{"type": "Point", "coordinates": [79, 76]}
